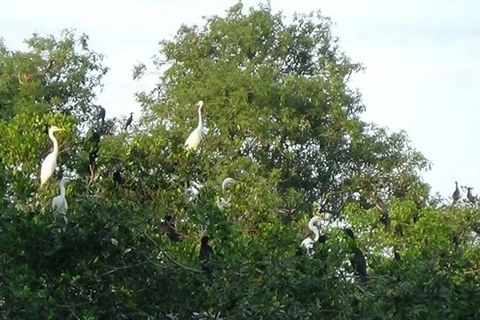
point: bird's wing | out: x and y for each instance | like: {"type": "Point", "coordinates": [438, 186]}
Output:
{"type": "Point", "coordinates": [59, 204]}
{"type": "Point", "coordinates": [193, 139]}
{"type": "Point", "coordinates": [56, 203]}
{"type": "Point", "coordinates": [307, 243]}
{"type": "Point", "coordinates": [222, 203]}
{"type": "Point", "coordinates": [48, 167]}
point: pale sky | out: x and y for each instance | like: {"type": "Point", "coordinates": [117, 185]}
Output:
{"type": "Point", "coordinates": [422, 60]}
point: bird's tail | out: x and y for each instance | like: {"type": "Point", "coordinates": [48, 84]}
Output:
{"type": "Point", "coordinates": [363, 277]}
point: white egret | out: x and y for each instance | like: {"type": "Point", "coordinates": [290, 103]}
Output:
{"type": "Point", "coordinates": [221, 202]}
{"type": "Point", "coordinates": [227, 181]}
{"type": "Point", "coordinates": [194, 138]}
{"type": "Point", "coordinates": [50, 161]}
{"type": "Point", "coordinates": [308, 242]}
{"type": "Point", "coordinates": [59, 203]}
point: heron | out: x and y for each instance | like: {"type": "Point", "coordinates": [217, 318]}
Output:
{"type": "Point", "coordinates": [385, 218]}
{"type": "Point", "coordinates": [50, 161]}
{"type": "Point", "coordinates": [456, 194]}
{"type": "Point", "coordinates": [470, 196]}
{"type": "Point", "coordinates": [59, 203]}
{"type": "Point", "coordinates": [222, 202]}
{"type": "Point", "coordinates": [194, 138]}
{"type": "Point", "coordinates": [309, 242]}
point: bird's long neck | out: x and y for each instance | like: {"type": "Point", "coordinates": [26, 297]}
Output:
{"type": "Point", "coordinates": [200, 122]}
{"type": "Point", "coordinates": [62, 188]}
{"type": "Point", "coordinates": [55, 143]}
{"type": "Point", "coordinates": [316, 233]}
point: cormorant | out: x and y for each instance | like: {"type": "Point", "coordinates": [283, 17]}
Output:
{"type": "Point", "coordinates": [129, 121]}
{"type": "Point", "coordinates": [206, 253]}
{"type": "Point", "coordinates": [358, 261]}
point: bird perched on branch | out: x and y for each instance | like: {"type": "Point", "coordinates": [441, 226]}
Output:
{"type": "Point", "coordinates": [129, 121]}
{"type": "Point", "coordinates": [205, 256]}
{"type": "Point", "coordinates": [456, 194]}
{"type": "Point", "coordinates": [385, 217]}
{"type": "Point", "coordinates": [470, 196]}
{"type": "Point", "coordinates": [222, 202]}
{"type": "Point", "coordinates": [59, 203]}
{"type": "Point", "coordinates": [117, 177]}
{"type": "Point", "coordinates": [169, 229]}
{"type": "Point", "coordinates": [358, 260]}
{"type": "Point", "coordinates": [50, 161]}
{"type": "Point", "coordinates": [101, 114]}
{"type": "Point", "coordinates": [308, 242]}
{"type": "Point", "coordinates": [194, 138]}
{"type": "Point", "coordinates": [93, 147]}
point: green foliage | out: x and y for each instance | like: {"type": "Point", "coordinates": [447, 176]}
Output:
{"type": "Point", "coordinates": [282, 120]}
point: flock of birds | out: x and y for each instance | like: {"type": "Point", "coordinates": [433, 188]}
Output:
{"type": "Point", "coordinates": [60, 206]}
{"type": "Point", "coordinates": [457, 195]}
{"type": "Point", "coordinates": [357, 260]}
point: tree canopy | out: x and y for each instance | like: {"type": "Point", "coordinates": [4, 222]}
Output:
{"type": "Point", "coordinates": [280, 119]}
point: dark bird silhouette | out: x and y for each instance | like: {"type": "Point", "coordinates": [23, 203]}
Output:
{"type": "Point", "coordinates": [358, 261]}
{"type": "Point", "coordinates": [470, 196]}
{"type": "Point", "coordinates": [169, 229]}
{"type": "Point", "coordinates": [101, 114]}
{"type": "Point", "coordinates": [129, 121]}
{"type": "Point", "coordinates": [205, 256]}
{"type": "Point", "coordinates": [456, 194]}
{"type": "Point", "coordinates": [385, 217]}
{"type": "Point", "coordinates": [399, 230]}
{"type": "Point", "coordinates": [396, 256]}
{"type": "Point", "coordinates": [117, 177]}
{"type": "Point", "coordinates": [93, 146]}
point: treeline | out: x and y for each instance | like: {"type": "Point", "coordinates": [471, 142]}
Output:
{"type": "Point", "coordinates": [280, 119]}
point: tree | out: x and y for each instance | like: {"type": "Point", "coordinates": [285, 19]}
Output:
{"type": "Point", "coordinates": [278, 95]}
{"type": "Point", "coordinates": [282, 121]}
{"type": "Point", "coordinates": [54, 82]}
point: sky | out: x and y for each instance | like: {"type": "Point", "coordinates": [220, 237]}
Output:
{"type": "Point", "coordinates": [421, 58]}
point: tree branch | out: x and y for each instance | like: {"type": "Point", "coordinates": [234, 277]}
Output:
{"type": "Point", "coordinates": [178, 264]}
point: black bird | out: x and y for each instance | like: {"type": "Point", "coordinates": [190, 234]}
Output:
{"type": "Point", "coordinates": [117, 177]}
{"type": "Point", "coordinates": [93, 146]}
{"type": "Point", "coordinates": [101, 114]}
{"type": "Point", "coordinates": [358, 261]}
{"type": "Point", "coordinates": [129, 121]}
{"type": "Point", "coordinates": [470, 196]}
{"type": "Point", "coordinates": [396, 256]}
{"type": "Point", "coordinates": [456, 194]}
{"type": "Point", "coordinates": [399, 230]}
{"type": "Point", "coordinates": [169, 229]}
{"type": "Point", "coordinates": [206, 253]}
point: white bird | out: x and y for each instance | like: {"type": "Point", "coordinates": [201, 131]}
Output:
{"type": "Point", "coordinates": [221, 202]}
{"type": "Point", "coordinates": [194, 138]}
{"type": "Point", "coordinates": [308, 242]}
{"type": "Point", "coordinates": [228, 181]}
{"type": "Point", "coordinates": [50, 161]}
{"type": "Point", "coordinates": [59, 203]}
